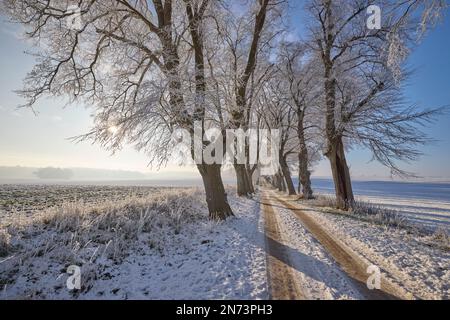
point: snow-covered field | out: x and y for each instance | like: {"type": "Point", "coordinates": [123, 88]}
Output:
{"type": "Point", "coordinates": [154, 246]}
{"type": "Point", "coordinates": [429, 214]}
{"type": "Point", "coordinates": [426, 214]}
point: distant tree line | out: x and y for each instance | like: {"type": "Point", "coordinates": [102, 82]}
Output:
{"type": "Point", "coordinates": [54, 174]}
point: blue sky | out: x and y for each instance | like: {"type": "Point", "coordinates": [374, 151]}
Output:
{"type": "Point", "coordinates": [41, 140]}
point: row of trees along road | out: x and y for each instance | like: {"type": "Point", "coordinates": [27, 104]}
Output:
{"type": "Point", "coordinates": [148, 68]}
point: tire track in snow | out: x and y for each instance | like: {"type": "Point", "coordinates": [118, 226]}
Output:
{"type": "Point", "coordinates": [282, 282]}
{"type": "Point", "coordinates": [352, 265]}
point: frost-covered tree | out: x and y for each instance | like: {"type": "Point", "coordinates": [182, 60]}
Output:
{"type": "Point", "coordinates": [139, 64]}
{"type": "Point", "coordinates": [360, 70]}
{"type": "Point", "coordinates": [299, 75]}
{"type": "Point", "coordinates": [248, 31]}
{"type": "Point", "coordinates": [277, 114]}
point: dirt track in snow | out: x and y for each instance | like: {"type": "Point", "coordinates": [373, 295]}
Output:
{"type": "Point", "coordinates": [282, 281]}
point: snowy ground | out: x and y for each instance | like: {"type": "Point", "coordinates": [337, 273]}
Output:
{"type": "Point", "coordinates": [161, 253]}
{"type": "Point", "coordinates": [412, 261]}
{"type": "Point", "coordinates": [318, 276]}
{"type": "Point", "coordinates": [158, 244]}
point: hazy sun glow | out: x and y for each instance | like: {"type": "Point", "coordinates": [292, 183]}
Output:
{"type": "Point", "coordinates": [113, 129]}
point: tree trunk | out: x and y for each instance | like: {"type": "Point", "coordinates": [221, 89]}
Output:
{"type": "Point", "coordinates": [244, 186]}
{"type": "Point", "coordinates": [273, 181]}
{"type": "Point", "coordinates": [304, 176]}
{"type": "Point", "coordinates": [336, 152]}
{"type": "Point", "coordinates": [304, 186]}
{"type": "Point", "coordinates": [277, 181]}
{"type": "Point", "coordinates": [250, 173]}
{"type": "Point", "coordinates": [341, 175]}
{"type": "Point", "coordinates": [287, 177]}
{"type": "Point", "coordinates": [283, 183]}
{"type": "Point", "coordinates": [281, 186]}
{"type": "Point", "coordinates": [216, 197]}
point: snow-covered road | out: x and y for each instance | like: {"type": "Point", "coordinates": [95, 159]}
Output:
{"type": "Point", "coordinates": [409, 265]}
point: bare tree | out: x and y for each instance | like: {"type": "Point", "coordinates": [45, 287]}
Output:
{"type": "Point", "coordinates": [373, 113]}
{"type": "Point", "coordinates": [299, 74]}
{"type": "Point", "coordinates": [277, 113]}
{"type": "Point", "coordinates": [211, 173]}
{"type": "Point", "coordinates": [373, 58]}
{"type": "Point", "coordinates": [130, 60]}
{"type": "Point", "coordinates": [246, 38]}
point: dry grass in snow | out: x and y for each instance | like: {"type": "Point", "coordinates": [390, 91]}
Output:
{"type": "Point", "coordinates": [157, 246]}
